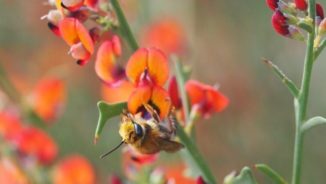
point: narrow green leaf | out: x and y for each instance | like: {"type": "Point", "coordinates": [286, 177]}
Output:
{"type": "Point", "coordinates": [272, 174]}
{"type": "Point", "coordinates": [245, 177]}
{"type": "Point", "coordinates": [318, 120]}
{"type": "Point", "coordinates": [180, 76]}
{"type": "Point", "coordinates": [288, 83]}
{"type": "Point", "coordinates": [106, 112]}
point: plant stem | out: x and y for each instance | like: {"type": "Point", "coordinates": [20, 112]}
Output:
{"type": "Point", "coordinates": [124, 26]}
{"type": "Point", "coordinates": [191, 147]}
{"type": "Point", "coordinates": [302, 101]}
{"type": "Point", "coordinates": [195, 155]}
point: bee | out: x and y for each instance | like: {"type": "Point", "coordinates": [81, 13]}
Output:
{"type": "Point", "coordinates": [148, 136]}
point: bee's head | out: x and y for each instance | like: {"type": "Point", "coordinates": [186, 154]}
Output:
{"type": "Point", "coordinates": [130, 131]}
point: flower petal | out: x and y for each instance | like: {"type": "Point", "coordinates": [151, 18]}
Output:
{"type": "Point", "coordinates": [158, 66]}
{"type": "Point", "coordinates": [217, 99]}
{"type": "Point", "coordinates": [67, 27]}
{"type": "Point", "coordinates": [105, 66]}
{"type": "Point", "coordinates": [161, 100]}
{"type": "Point", "coordinates": [136, 65]}
{"type": "Point", "coordinates": [140, 96]}
{"type": "Point", "coordinates": [174, 93]}
{"type": "Point", "coordinates": [119, 92]}
{"type": "Point", "coordinates": [195, 91]}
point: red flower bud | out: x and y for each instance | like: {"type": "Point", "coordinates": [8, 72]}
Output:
{"type": "Point", "coordinates": [279, 22]}
{"type": "Point", "coordinates": [301, 4]}
{"type": "Point", "coordinates": [319, 11]}
{"type": "Point", "coordinates": [272, 4]}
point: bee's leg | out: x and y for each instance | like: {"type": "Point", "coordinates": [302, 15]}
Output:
{"type": "Point", "coordinates": [172, 122]}
{"type": "Point", "coordinates": [153, 112]}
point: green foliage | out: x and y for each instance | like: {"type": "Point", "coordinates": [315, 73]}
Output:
{"type": "Point", "coordinates": [272, 174]}
{"type": "Point", "coordinates": [106, 112]}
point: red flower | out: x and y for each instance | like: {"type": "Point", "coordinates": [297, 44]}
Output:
{"type": "Point", "coordinates": [301, 4]}
{"type": "Point", "coordinates": [78, 38]}
{"type": "Point", "coordinates": [279, 22]}
{"type": "Point", "coordinates": [72, 5]}
{"type": "Point", "coordinates": [176, 174]}
{"type": "Point", "coordinates": [10, 125]}
{"type": "Point", "coordinates": [272, 4]}
{"type": "Point", "coordinates": [207, 99]}
{"type": "Point", "coordinates": [48, 98]}
{"type": "Point", "coordinates": [72, 170]}
{"type": "Point", "coordinates": [33, 142]}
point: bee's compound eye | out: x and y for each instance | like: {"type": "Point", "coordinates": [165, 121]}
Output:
{"type": "Point", "coordinates": [138, 130]}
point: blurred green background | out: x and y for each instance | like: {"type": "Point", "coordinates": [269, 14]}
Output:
{"type": "Point", "coordinates": [226, 40]}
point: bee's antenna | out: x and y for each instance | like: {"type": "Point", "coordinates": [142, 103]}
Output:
{"type": "Point", "coordinates": [108, 153]}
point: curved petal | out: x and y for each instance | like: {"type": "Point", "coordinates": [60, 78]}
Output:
{"type": "Point", "coordinates": [92, 4]}
{"type": "Point", "coordinates": [141, 95]}
{"type": "Point", "coordinates": [119, 92]}
{"type": "Point", "coordinates": [174, 93]}
{"type": "Point", "coordinates": [105, 63]}
{"type": "Point", "coordinates": [218, 101]}
{"type": "Point", "coordinates": [136, 65]}
{"type": "Point", "coordinates": [84, 37]}
{"type": "Point", "coordinates": [161, 100]}
{"type": "Point", "coordinates": [157, 66]}
{"type": "Point", "coordinates": [67, 27]}
{"type": "Point", "coordinates": [195, 91]}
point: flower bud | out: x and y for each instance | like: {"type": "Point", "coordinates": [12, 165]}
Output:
{"type": "Point", "coordinates": [272, 4]}
{"type": "Point", "coordinates": [301, 4]}
{"type": "Point", "coordinates": [79, 52]}
{"type": "Point", "coordinates": [322, 27]}
{"type": "Point", "coordinates": [54, 16]}
{"type": "Point", "coordinates": [319, 11]}
{"type": "Point", "coordinates": [279, 22]}
{"type": "Point", "coordinates": [295, 33]}
{"type": "Point", "coordinates": [72, 5]}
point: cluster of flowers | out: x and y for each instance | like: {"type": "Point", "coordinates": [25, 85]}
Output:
{"type": "Point", "coordinates": [143, 78]}
{"type": "Point", "coordinates": [28, 153]}
{"type": "Point", "coordinates": [290, 18]}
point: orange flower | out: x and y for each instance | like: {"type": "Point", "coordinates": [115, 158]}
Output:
{"type": "Point", "coordinates": [78, 38]}
{"type": "Point", "coordinates": [72, 170]}
{"type": "Point", "coordinates": [106, 65]}
{"type": "Point", "coordinates": [148, 65]}
{"type": "Point", "coordinates": [48, 98]}
{"type": "Point", "coordinates": [206, 98]}
{"type": "Point", "coordinates": [10, 125]}
{"type": "Point", "coordinates": [33, 142]}
{"type": "Point", "coordinates": [148, 70]}
{"type": "Point", "coordinates": [167, 35]}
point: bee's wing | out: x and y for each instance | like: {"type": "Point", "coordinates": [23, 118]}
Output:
{"type": "Point", "coordinates": [169, 145]}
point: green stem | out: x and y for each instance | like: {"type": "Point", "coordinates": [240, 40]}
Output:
{"type": "Point", "coordinates": [322, 45]}
{"type": "Point", "coordinates": [302, 101]}
{"type": "Point", "coordinates": [191, 147]}
{"type": "Point", "coordinates": [194, 153]}
{"type": "Point", "coordinates": [124, 26]}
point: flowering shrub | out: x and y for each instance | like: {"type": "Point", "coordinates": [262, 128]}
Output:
{"type": "Point", "coordinates": [150, 87]}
